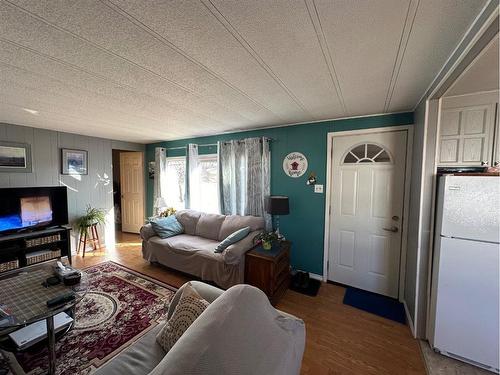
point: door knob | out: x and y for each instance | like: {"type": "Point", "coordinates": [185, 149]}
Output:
{"type": "Point", "coordinates": [393, 229]}
{"type": "Point", "coordinates": [497, 163]}
{"type": "Point", "coordinates": [484, 163]}
{"type": "Point", "coordinates": [395, 218]}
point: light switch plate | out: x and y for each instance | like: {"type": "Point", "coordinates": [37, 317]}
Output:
{"type": "Point", "coordinates": [318, 188]}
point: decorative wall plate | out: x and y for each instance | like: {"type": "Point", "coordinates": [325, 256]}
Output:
{"type": "Point", "coordinates": [295, 164]}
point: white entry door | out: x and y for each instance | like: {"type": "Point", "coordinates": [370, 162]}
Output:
{"type": "Point", "coordinates": [132, 190]}
{"type": "Point", "coordinates": [367, 195]}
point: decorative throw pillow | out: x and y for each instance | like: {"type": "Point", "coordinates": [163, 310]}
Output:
{"type": "Point", "coordinates": [189, 307]}
{"type": "Point", "coordinates": [166, 227]}
{"type": "Point", "coordinates": [232, 238]}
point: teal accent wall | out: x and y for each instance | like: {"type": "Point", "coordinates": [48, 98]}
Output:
{"type": "Point", "coordinates": [305, 224]}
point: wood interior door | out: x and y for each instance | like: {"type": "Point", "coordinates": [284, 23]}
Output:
{"type": "Point", "coordinates": [132, 191]}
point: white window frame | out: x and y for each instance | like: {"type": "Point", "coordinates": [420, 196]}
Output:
{"type": "Point", "coordinates": [182, 158]}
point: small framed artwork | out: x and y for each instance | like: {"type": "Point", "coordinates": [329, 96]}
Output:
{"type": "Point", "coordinates": [74, 161]}
{"type": "Point", "coordinates": [15, 157]}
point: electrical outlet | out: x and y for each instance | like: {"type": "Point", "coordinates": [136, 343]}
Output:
{"type": "Point", "coordinates": [318, 189]}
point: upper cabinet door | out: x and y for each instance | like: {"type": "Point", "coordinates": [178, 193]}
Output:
{"type": "Point", "coordinates": [466, 136]}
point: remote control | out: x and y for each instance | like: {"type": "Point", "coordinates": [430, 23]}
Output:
{"type": "Point", "coordinates": [59, 300]}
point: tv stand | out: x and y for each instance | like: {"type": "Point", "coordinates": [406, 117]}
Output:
{"type": "Point", "coordinates": [26, 248]}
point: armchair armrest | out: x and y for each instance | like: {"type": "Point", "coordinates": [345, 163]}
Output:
{"type": "Point", "coordinates": [234, 252]}
{"type": "Point", "coordinates": [147, 232]}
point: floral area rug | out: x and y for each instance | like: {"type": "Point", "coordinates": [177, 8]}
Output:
{"type": "Point", "coordinates": [120, 306]}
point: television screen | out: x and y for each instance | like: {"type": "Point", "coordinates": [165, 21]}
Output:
{"type": "Point", "coordinates": [22, 208]}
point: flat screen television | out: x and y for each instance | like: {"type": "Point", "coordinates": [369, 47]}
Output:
{"type": "Point", "coordinates": [32, 208]}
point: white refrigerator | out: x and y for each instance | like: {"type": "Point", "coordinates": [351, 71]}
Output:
{"type": "Point", "coordinates": [464, 311]}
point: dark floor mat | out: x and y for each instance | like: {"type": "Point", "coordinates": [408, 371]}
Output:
{"type": "Point", "coordinates": [377, 304]}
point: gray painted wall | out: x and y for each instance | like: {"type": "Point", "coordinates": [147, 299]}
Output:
{"type": "Point", "coordinates": [94, 189]}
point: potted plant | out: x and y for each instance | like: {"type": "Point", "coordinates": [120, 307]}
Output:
{"type": "Point", "coordinates": [92, 216]}
{"type": "Point", "coordinates": [266, 239]}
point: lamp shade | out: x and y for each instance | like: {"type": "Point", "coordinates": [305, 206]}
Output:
{"type": "Point", "coordinates": [277, 205]}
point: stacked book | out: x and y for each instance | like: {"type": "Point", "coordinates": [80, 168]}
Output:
{"type": "Point", "coordinates": [42, 255]}
{"type": "Point", "coordinates": [10, 265]}
{"type": "Point", "coordinates": [43, 240]}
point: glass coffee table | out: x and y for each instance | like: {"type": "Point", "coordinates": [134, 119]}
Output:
{"type": "Point", "coordinates": [24, 298]}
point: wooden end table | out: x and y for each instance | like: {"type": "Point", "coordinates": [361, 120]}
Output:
{"type": "Point", "coordinates": [269, 270]}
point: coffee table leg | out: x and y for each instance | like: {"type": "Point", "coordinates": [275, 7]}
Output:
{"type": "Point", "coordinates": [51, 345]}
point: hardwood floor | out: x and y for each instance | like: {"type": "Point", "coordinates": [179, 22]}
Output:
{"type": "Point", "coordinates": [339, 339]}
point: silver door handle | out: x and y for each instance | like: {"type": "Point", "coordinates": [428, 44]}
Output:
{"type": "Point", "coordinates": [391, 229]}
{"type": "Point", "coordinates": [497, 163]}
{"type": "Point", "coordinates": [484, 163]}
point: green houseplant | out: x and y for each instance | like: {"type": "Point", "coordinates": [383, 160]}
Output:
{"type": "Point", "coordinates": [266, 239]}
{"type": "Point", "coordinates": [92, 216]}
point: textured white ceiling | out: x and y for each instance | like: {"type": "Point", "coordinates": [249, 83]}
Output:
{"type": "Point", "coordinates": [159, 70]}
{"type": "Point", "coordinates": [481, 75]}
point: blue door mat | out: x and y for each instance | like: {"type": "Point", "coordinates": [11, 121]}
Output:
{"type": "Point", "coordinates": [377, 304]}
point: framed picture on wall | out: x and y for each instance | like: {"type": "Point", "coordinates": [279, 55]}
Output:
{"type": "Point", "coordinates": [74, 162]}
{"type": "Point", "coordinates": [15, 157]}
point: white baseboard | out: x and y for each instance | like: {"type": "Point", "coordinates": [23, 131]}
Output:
{"type": "Point", "coordinates": [315, 276]}
{"type": "Point", "coordinates": [410, 321]}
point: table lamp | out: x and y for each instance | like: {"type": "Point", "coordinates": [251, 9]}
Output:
{"type": "Point", "coordinates": [278, 205]}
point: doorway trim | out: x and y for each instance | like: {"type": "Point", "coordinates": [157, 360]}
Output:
{"type": "Point", "coordinates": [406, 199]}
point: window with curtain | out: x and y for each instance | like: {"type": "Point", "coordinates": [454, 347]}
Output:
{"type": "Point", "coordinates": [175, 172]}
{"type": "Point", "coordinates": [245, 177]}
{"type": "Point", "coordinates": [208, 180]}
{"type": "Point", "coordinates": [207, 183]}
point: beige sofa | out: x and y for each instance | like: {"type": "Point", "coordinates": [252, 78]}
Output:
{"type": "Point", "coordinates": [193, 251]}
{"type": "Point", "coordinates": [239, 333]}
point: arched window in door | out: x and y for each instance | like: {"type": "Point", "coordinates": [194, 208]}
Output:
{"type": "Point", "coordinates": [367, 153]}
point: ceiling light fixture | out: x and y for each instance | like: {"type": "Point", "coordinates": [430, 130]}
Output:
{"type": "Point", "coordinates": [32, 111]}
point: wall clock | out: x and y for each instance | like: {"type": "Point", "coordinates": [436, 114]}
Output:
{"type": "Point", "coordinates": [295, 164]}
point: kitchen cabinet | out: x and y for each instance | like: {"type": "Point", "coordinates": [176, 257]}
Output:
{"type": "Point", "coordinates": [466, 136]}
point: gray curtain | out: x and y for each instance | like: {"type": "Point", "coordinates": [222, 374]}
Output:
{"type": "Point", "coordinates": [193, 185]}
{"type": "Point", "coordinates": [245, 178]}
{"type": "Point", "coordinates": [160, 183]}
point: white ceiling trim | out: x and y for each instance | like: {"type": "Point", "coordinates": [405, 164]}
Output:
{"type": "Point", "coordinates": [405, 36]}
{"type": "Point", "coordinates": [248, 47]}
{"type": "Point", "coordinates": [325, 50]}
{"type": "Point", "coordinates": [437, 84]}
{"type": "Point", "coordinates": [293, 124]}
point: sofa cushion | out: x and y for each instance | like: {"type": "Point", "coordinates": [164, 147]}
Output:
{"type": "Point", "coordinates": [185, 243]}
{"type": "Point", "coordinates": [188, 309]}
{"type": "Point", "coordinates": [234, 222]}
{"type": "Point", "coordinates": [232, 238]}
{"type": "Point", "coordinates": [188, 220]}
{"type": "Point", "coordinates": [209, 226]}
{"type": "Point", "coordinates": [139, 358]}
{"type": "Point", "coordinates": [166, 227]}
